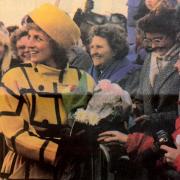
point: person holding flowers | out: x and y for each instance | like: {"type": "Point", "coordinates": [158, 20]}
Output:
{"type": "Point", "coordinates": [37, 97]}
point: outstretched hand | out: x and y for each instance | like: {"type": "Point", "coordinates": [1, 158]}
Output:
{"type": "Point", "coordinates": [110, 136]}
{"type": "Point", "coordinates": [142, 119]}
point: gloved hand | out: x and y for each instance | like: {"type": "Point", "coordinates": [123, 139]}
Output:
{"type": "Point", "coordinates": [72, 152]}
{"type": "Point", "coordinates": [77, 145]}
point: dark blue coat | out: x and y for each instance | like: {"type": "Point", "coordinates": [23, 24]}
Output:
{"type": "Point", "coordinates": [115, 71]}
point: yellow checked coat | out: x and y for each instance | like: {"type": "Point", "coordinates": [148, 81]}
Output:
{"type": "Point", "coordinates": [33, 113]}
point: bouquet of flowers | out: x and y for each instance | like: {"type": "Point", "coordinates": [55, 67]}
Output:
{"type": "Point", "coordinates": [105, 110]}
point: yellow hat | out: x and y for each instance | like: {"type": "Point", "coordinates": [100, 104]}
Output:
{"type": "Point", "coordinates": [57, 24]}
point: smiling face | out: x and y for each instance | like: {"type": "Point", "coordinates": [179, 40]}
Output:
{"type": "Point", "coordinates": [100, 51]}
{"type": "Point", "coordinates": [39, 48]}
{"type": "Point", "coordinates": [159, 43]}
{"type": "Point", "coordinates": [22, 49]}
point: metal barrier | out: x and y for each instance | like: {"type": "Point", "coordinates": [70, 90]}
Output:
{"type": "Point", "coordinates": [106, 173]}
{"type": "Point", "coordinates": [115, 164]}
{"type": "Point", "coordinates": [105, 162]}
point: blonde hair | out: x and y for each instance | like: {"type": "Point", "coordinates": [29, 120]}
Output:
{"type": "Point", "coordinates": [6, 59]}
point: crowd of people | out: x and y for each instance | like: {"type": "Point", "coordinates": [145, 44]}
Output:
{"type": "Point", "coordinates": [50, 67]}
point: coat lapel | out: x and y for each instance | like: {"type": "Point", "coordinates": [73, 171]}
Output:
{"type": "Point", "coordinates": [171, 56]}
{"type": "Point", "coordinates": [147, 88]}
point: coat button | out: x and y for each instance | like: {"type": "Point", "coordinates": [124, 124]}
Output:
{"type": "Point", "coordinates": [41, 87]}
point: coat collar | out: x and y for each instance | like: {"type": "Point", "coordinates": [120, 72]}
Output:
{"type": "Point", "coordinates": [168, 70]}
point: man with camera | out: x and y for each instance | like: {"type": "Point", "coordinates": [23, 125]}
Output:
{"type": "Point", "coordinates": [172, 155]}
{"type": "Point", "coordinates": [157, 154]}
{"type": "Point", "coordinates": [157, 95]}
{"type": "Point", "coordinates": [159, 91]}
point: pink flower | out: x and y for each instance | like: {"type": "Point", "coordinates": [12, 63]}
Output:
{"type": "Point", "coordinates": [106, 85]}
{"type": "Point", "coordinates": [116, 89]}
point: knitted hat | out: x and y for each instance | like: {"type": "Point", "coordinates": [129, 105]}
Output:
{"type": "Point", "coordinates": [57, 24]}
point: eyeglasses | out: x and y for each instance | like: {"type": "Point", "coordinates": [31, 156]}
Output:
{"type": "Point", "coordinates": [158, 41]}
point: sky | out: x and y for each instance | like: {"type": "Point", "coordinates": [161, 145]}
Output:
{"type": "Point", "coordinates": [12, 11]}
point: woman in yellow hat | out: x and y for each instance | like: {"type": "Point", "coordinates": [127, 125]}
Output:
{"type": "Point", "coordinates": [37, 97]}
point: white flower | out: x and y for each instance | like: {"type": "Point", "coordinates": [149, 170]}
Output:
{"type": "Point", "coordinates": [107, 96]}
{"type": "Point", "coordinates": [81, 116]}
{"type": "Point", "coordinates": [93, 118]}
{"type": "Point", "coordinates": [87, 117]}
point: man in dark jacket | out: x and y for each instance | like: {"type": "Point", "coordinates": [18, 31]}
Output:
{"type": "Point", "coordinates": [159, 81]}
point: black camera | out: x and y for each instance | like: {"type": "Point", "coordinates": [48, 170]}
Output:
{"type": "Point", "coordinates": [162, 138]}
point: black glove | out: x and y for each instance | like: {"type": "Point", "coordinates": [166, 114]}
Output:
{"type": "Point", "coordinates": [77, 145]}
{"type": "Point", "coordinates": [72, 153]}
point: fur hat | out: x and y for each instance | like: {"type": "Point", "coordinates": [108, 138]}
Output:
{"type": "Point", "coordinates": [160, 21]}
{"type": "Point", "coordinates": [57, 24]}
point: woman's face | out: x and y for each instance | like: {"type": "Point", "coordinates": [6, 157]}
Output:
{"type": "Point", "coordinates": [2, 50]}
{"type": "Point", "coordinates": [22, 49]}
{"type": "Point", "coordinates": [151, 4]}
{"type": "Point", "coordinates": [100, 51]}
{"type": "Point", "coordinates": [39, 47]}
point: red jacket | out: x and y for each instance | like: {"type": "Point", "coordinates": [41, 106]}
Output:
{"type": "Point", "coordinates": [137, 143]}
{"type": "Point", "coordinates": [174, 135]}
